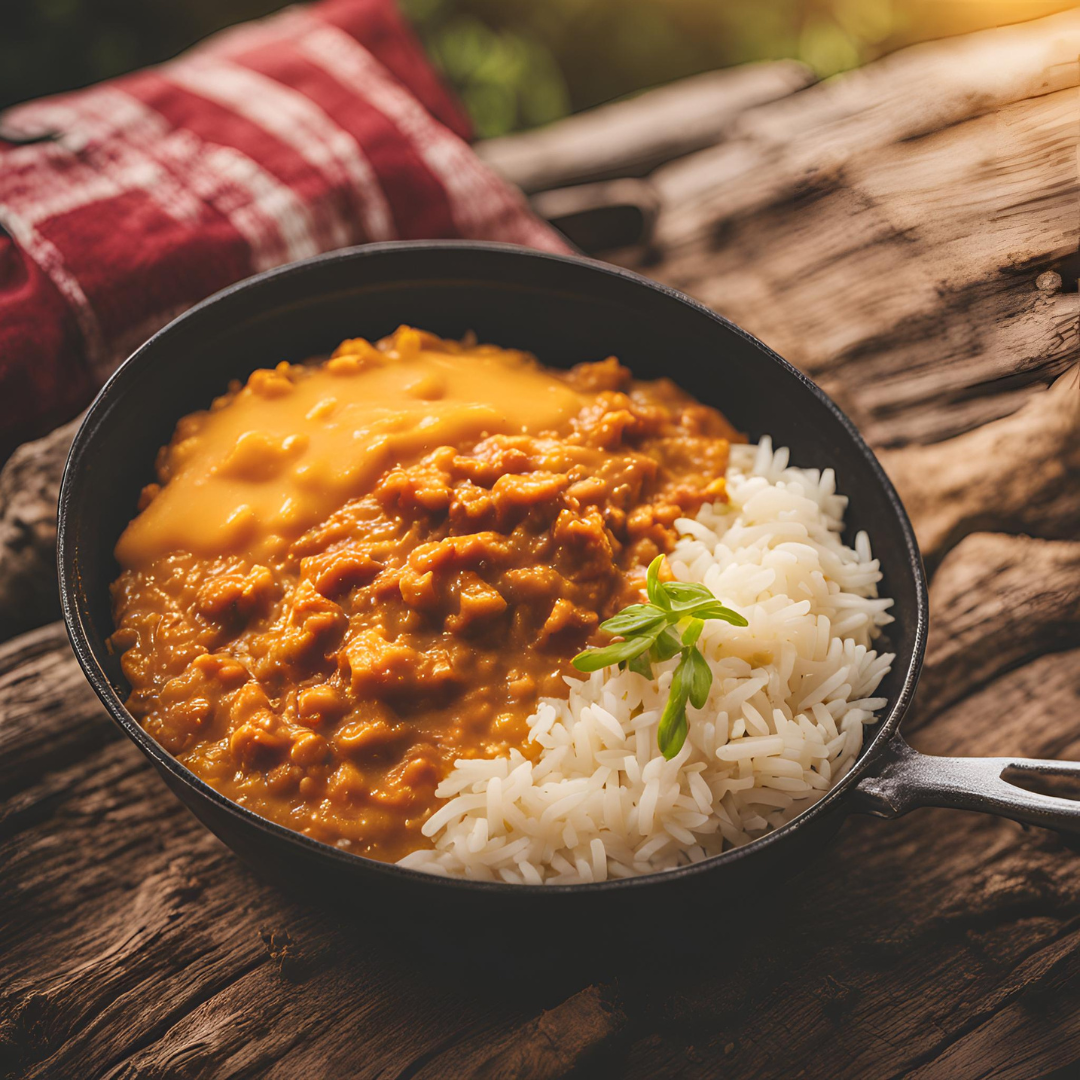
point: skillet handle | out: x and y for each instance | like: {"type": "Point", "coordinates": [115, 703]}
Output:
{"type": "Point", "coordinates": [906, 780]}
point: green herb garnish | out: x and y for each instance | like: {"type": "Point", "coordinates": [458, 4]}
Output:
{"type": "Point", "coordinates": [669, 624]}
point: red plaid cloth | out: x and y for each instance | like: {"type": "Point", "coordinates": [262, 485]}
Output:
{"type": "Point", "coordinates": [313, 129]}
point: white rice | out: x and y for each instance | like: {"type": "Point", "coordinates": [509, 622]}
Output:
{"type": "Point", "coordinates": [791, 694]}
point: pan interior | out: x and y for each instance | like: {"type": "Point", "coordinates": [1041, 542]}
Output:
{"type": "Point", "coordinates": [563, 310]}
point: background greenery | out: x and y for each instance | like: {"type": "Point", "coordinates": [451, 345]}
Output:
{"type": "Point", "coordinates": [516, 63]}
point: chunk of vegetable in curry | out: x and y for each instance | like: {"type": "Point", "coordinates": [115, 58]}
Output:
{"type": "Point", "coordinates": [352, 572]}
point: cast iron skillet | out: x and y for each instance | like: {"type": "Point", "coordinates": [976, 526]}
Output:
{"type": "Point", "coordinates": [565, 310]}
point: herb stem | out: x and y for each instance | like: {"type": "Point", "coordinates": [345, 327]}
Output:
{"type": "Point", "coordinates": [647, 638]}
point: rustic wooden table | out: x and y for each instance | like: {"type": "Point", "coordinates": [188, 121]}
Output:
{"type": "Point", "coordinates": [908, 235]}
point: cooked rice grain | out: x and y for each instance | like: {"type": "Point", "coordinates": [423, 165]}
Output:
{"type": "Point", "coordinates": [791, 695]}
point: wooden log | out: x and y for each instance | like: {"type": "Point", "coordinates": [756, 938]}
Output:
{"type": "Point", "coordinates": [995, 602]}
{"type": "Point", "coordinates": [29, 487]}
{"type": "Point", "coordinates": [630, 138]}
{"type": "Point", "coordinates": [906, 233]}
{"type": "Point", "coordinates": [910, 944]}
{"type": "Point", "coordinates": [919, 91]}
{"type": "Point", "coordinates": [1022, 472]}
{"type": "Point", "coordinates": [913, 279]}
{"type": "Point", "coordinates": [970, 726]}
{"type": "Point", "coordinates": [601, 216]}
{"type": "Point", "coordinates": [167, 958]}
{"type": "Point", "coordinates": [569, 1039]}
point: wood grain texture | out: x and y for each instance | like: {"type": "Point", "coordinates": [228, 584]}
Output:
{"type": "Point", "coordinates": [904, 276]}
{"type": "Point", "coordinates": [997, 601]}
{"type": "Point", "coordinates": [1021, 472]}
{"type": "Point", "coordinates": [905, 234]}
{"type": "Point", "coordinates": [630, 138]}
{"type": "Point", "coordinates": [167, 958]}
{"type": "Point", "coordinates": [29, 487]}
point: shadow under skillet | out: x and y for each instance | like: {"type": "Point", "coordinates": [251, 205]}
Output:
{"type": "Point", "coordinates": [615, 938]}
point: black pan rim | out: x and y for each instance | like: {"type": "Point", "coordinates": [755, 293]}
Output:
{"type": "Point", "coordinates": [67, 571]}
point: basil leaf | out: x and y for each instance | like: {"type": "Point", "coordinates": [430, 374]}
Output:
{"type": "Point", "coordinates": [652, 584]}
{"type": "Point", "coordinates": [718, 611]}
{"type": "Point", "coordinates": [633, 619]}
{"type": "Point", "coordinates": [700, 678]}
{"type": "Point", "coordinates": [680, 685]}
{"type": "Point", "coordinates": [648, 639]}
{"type": "Point", "coordinates": [665, 647]}
{"type": "Point", "coordinates": [693, 602]}
{"type": "Point", "coordinates": [671, 733]}
{"type": "Point", "coordinates": [595, 659]}
{"type": "Point", "coordinates": [683, 592]}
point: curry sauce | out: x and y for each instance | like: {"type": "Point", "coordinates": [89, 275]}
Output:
{"type": "Point", "coordinates": [352, 572]}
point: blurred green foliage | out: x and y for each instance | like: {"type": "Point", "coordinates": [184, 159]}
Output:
{"type": "Point", "coordinates": [521, 63]}
{"type": "Point", "coordinates": [515, 63]}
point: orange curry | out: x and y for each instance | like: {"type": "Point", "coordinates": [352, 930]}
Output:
{"type": "Point", "coordinates": [352, 572]}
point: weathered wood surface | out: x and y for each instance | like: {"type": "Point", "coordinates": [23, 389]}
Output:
{"type": "Point", "coordinates": [907, 234]}
{"type": "Point", "coordinates": [630, 138]}
{"type": "Point", "coordinates": [133, 944]}
{"type": "Point", "coordinates": [29, 487]}
{"type": "Point", "coordinates": [913, 944]}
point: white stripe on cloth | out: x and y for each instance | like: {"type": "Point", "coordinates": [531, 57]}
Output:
{"type": "Point", "coordinates": [175, 168]}
{"type": "Point", "coordinates": [268, 214]}
{"type": "Point", "coordinates": [52, 264]}
{"type": "Point", "coordinates": [483, 206]}
{"type": "Point", "coordinates": [104, 132]}
{"type": "Point", "coordinates": [296, 120]}
{"type": "Point", "coordinates": [41, 181]}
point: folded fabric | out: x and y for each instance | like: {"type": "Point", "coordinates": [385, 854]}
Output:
{"type": "Point", "coordinates": [313, 129]}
